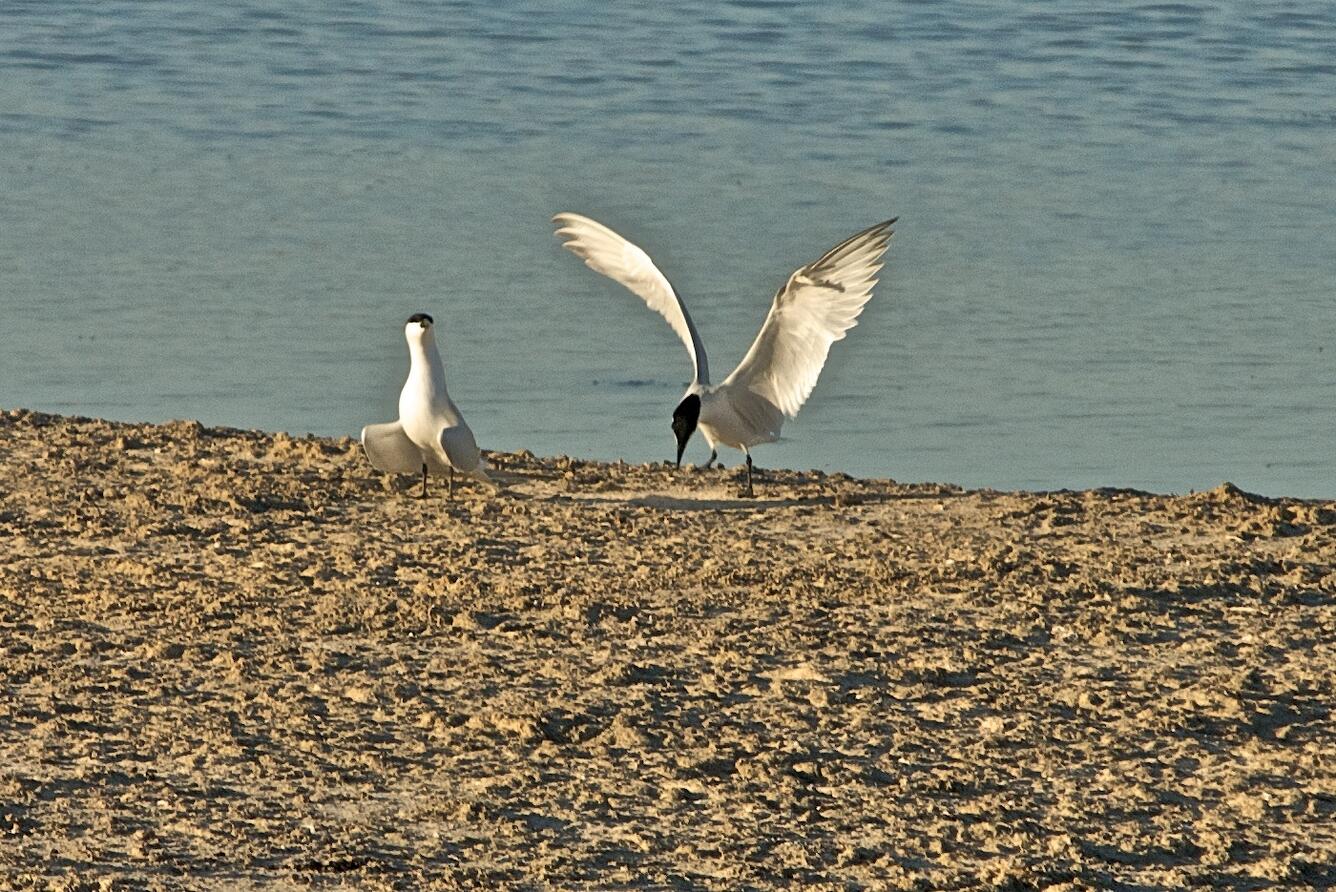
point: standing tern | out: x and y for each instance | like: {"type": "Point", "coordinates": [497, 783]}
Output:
{"type": "Point", "coordinates": [431, 433]}
{"type": "Point", "coordinates": [819, 303]}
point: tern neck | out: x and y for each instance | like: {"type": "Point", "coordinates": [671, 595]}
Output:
{"type": "Point", "coordinates": [425, 359]}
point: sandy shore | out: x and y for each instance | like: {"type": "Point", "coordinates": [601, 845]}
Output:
{"type": "Point", "coordinates": [230, 659]}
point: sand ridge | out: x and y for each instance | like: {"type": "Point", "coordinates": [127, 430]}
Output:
{"type": "Point", "coordinates": [231, 659]}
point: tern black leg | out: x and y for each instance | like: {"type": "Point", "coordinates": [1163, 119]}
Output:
{"type": "Point", "coordinates": [424, 481]}
{"type": "Point", "coordinates": [750, 493]}
{"type": "Point", "coordinates": [450, 487]}
{"type": "Point", "coordinates": [710, 461]}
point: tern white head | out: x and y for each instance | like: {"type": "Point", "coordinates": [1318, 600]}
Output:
{"type": "Point", "coordinates": [431, 434]}
{"type": "Point", "coordinates": [815, 307]}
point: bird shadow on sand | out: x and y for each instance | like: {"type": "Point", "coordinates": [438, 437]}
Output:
{"type": "Point", "coordinates": [743, 503]}
{"type": "Point", "coordinates": [839, 499]}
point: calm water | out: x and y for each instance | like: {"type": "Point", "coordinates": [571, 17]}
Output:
{"type": "Point", "coordinates": [1115, 264]}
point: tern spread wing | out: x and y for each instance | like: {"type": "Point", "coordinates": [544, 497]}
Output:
{"type": "Point", "coordinates": [390, 450]}
{"type": "Point", "coordinates": [606, 252]}
{"type": "Point", "coordinates": [819, 303]}
{"type": "Point", "coordinates": [462, 450]}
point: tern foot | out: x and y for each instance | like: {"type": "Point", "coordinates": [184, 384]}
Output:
{"type": "Point", "coordinates": [745, 490]}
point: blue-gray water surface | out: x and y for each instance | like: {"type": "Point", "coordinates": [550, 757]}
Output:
{"type": "Point", "coordinates": [1114, 265]}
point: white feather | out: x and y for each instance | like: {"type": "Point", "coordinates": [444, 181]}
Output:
{"type": "Point", "coordinates": [819, 303]}
{"type": "Point", "coordinates": [390, 450]}
{"type": "Point", "coordinates": [606, 252]}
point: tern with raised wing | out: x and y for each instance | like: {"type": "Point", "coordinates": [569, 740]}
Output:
{"type": "Point", "coordinates": [815, 307]}
{"type": "Point", "coordinates": [431, 434]}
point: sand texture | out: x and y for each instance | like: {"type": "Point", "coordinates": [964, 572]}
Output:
{"type": "Point", "coordinates": [230, 659]}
